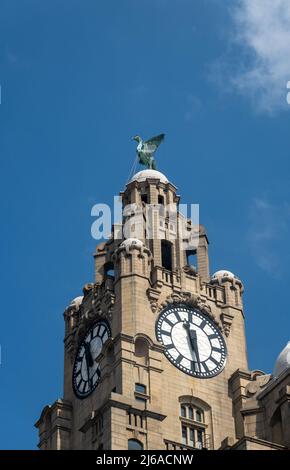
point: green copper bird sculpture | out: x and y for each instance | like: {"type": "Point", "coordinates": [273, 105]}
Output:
{"type": "Point", "coordinates": [146, 149]}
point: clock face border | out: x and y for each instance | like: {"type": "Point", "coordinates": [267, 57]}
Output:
{"type": "Point", "coordinates": [196, 312]}
{"type": "Point", "coordinates": [77, 393]}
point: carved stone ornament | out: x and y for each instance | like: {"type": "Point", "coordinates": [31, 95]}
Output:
{"type": "Point", "coordinates": [103, 305]}
{"type": "Point", "coordinates": [257, 383]}
{"type": "Point", "coordinates": [192, 300]}
{"type": "Point", "coordinates": [131, 244]}
{"type": "Point", "coordinates": [72, 317]}
{"type": "Point", "coordinates": [98, 303]}
{"type": "Point", "coordinates": [190, 270]}
{"type": "Point", "coordinates": [153, 296]}
{"type": "Point", "coordinates": [226, 319]}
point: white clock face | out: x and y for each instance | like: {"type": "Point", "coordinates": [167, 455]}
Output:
{"type": "Point", "coordinates": [193, 343]}
{"type": "Point", "coordinates": [86, 370]}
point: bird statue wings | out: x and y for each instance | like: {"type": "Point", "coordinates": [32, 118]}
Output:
{"type": "Point", "coordinates": [146, 149]}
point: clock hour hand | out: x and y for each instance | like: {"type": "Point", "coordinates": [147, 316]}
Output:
{"type": "Point", "coordinates": [192, 339]}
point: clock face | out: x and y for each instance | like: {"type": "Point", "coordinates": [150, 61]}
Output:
{"type": "Point", "coordinates": [86, 370]}
{"type": "Point", "coordinates": [193, 343]}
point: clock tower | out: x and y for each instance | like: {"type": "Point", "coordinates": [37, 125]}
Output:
{"type": "Point", "coordinates": [155, 351]}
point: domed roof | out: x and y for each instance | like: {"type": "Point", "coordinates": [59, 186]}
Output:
{"type": "Point", "coordinates": [223, 273]}
{"type": "Point", "coordinates": [283, 361]}
{"type": "Point", "coordinates": [76, 302]}
{"type": "Point", "coordinates": [132, 241]}
{"type": "Point", "coordinates": [143, 175]}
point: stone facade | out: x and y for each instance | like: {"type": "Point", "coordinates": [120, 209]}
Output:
{"type": "Point", "coordinates": [237, 409]}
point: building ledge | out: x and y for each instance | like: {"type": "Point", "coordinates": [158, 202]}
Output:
{"type": "Point", "coordinates": [261, 442]}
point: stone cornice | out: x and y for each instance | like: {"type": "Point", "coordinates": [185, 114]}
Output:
{"type": "Point", "coordinates": [239, 373]}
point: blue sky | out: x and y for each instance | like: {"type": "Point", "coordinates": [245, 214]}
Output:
{"type": "Point", "coordinates": [78, 79]}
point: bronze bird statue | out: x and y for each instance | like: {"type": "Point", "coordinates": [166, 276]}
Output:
{"type": "Point", "coordinates": [146, 149]}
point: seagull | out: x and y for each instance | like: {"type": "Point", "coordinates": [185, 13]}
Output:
{"type": "Point", "coordinates": [146, 149]}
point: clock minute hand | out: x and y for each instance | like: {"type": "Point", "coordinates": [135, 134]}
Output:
{"type": "Point", "coordinates": [192, 339]}
{"type": "Point", "coordinates": [88, 354]}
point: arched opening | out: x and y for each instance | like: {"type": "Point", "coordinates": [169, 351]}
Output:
{"type": "Point", "coordinates": [142, 350]}
{"type": "Point", "coordinates": [276, 426]}
{"type": "Point", "coordinates": [161, 205]}
{"type": "Point", "coordinates": [191, 258]}
{"type": "Point", "coordinates": [109, 270]}
{"type": "Point", "coordinates": [166, 254]}
{"type": "Point", "coordinates": [134, 444]}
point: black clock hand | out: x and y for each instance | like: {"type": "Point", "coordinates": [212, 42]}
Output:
{"type": "Point", "coordinates": [193, 337]}
{"type": "Point", "coordinates": [89, 357]}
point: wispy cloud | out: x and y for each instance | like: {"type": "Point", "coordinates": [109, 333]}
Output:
{"type": "Point", "coordinates": [194, 107]}
{"type": "Point", "coordinates": [268, 232]}
{"type": "Point", "coordinates": [261, 31]}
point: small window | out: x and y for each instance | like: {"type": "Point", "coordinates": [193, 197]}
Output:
{"type": "Point", "coordinates": [183, 411]}
{"type": "Point", "coordinates": [184, 435]}
{"type": "Point", "coordinates": [198, 416]}
{"type": "Point", "coordinates": [140, 399]}
{"type": "Point", "coordinates": [144, 198]}
{"type": "Point", "coordinates": [191, 437]}
{"type": "Point", "coordinates": [190, 413]}
{"type": "Point", "coordinates": [160, 199]}
{"type": "Point", "coordinates": [140, 388]}
{"type": "Point", "coordinates": [133, 444]}
{"type": "Point", "coordinates": [199, 443]}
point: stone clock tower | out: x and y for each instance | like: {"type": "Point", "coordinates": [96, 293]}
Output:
{"type": "Point", "coordinates": [155, 349]}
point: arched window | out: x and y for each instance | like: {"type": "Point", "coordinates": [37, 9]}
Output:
{"type": "Point", "coordinates": [199, 416]}
{"type": "Point", "coordinates": [193, 426]}
{"type": "Point", "coordinates": [133, 444]}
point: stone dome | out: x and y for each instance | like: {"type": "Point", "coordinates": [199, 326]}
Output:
{"type": "Point", "coordinates": [143, 175]}
{"type": "Point", "coordinates": [129, 242]}
{"type": "Point", "coordinates": [76, 302]}
{"type": "Point", "coordinates": [223, 273]}
{"type": "Point", "coordinates": [283, 361]}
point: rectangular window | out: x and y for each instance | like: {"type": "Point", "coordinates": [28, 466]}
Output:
{"type": "Point", "coordinates": [140, 399]}
{"type": "Point", "coordinates": [183, 411]}
{"type": "Point", "coordinates": [184, 435]}
{"type": "Point", "coordinates": [199, 439]}
{"type": "Point", "coordinates": [191, 437]}
{"type": "Point", "coordinates": [198, 416]}
{"type": "Point", "coordinates": [140, 388]}
{"type": "Point", "coordinates": [190, 413]}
